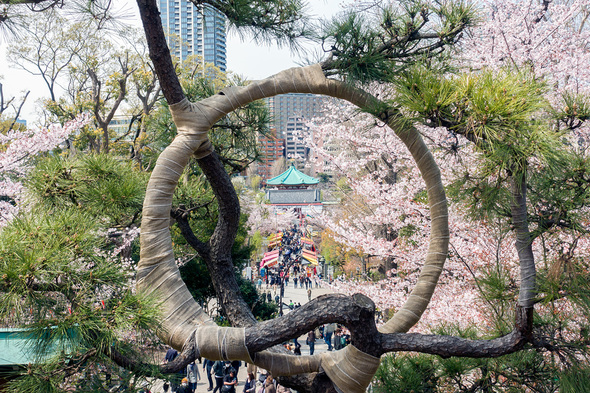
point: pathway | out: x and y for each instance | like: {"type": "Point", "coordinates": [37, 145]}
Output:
{"type": "Point", "coordinates": [297, 295]}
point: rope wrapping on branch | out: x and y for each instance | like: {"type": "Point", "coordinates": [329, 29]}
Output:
{"type": "Point", "coordinates": [350, 369]}
{"type": "Point", "coordinates": [193, 128]}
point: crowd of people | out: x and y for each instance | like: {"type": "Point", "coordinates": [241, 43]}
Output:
{"type": "Point", "coordinates": [222, 376]}
{"type": "Point", "coordinates": [290, 265]}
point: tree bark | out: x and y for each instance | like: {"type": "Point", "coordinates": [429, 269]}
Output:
{"type": "Point", "coordinates": [523, 243]}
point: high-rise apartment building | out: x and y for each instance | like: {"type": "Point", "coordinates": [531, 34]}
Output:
{"type": "Point", "coordinates": [192, 30]}
{"type": "Point", "coordinates": [284, 107]}
{"type": "Point", "coordinates": [272, 149]}
{"type": "Point", "coordinates": [295, 145]}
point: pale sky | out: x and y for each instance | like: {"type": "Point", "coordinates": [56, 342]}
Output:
{"type": "Point", "coordinates": [244, 57]}
{"type": "Point", "coordinates": [257, 62]}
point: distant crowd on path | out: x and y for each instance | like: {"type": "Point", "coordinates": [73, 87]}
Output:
{"type": "Point", "coordinates": [333, 334]}
{"type": "Point", "coordinates": [222, 376]}
{"type": "Point", "coordinates": [291, 264]}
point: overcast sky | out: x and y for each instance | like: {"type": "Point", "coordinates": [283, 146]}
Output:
{"type": "Point", "coordinates": [257, 62]}
{"type": "Point", "coordinates": [244, 57]}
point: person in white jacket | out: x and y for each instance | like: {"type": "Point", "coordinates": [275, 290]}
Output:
{"type": "Point", "coordinates": [193, 376]}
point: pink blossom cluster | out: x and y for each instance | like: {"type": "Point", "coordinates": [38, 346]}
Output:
{"type": "Point", "coordinates": [475, 248]}
{"type": "Point", "coordinates": [552, 41]}
{"type": "Point", "coordinates": [265, 218]}
{"type": "Point", "coordinates": [18, 148]}
{"type": "Point", "coordinates": [368, 155]}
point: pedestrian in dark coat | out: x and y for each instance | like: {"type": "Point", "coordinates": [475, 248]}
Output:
{"type": "Point", "coordinates": [311, 341]}
{"type": "Point", "coordinates": [207, 365]}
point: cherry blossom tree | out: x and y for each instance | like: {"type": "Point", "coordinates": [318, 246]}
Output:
{"type": "Point", "coordinates": [20, 147]}
{"type": "Point", "coordinates": [481, 248]}
{"type": "Point", "coordinates": [262, 217]}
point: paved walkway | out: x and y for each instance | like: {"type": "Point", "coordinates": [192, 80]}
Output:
{"type": "Point", "coordinates": [297, 295]}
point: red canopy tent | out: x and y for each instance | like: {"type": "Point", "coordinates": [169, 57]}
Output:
{"type": "Point", "coordinates": [270, 258]}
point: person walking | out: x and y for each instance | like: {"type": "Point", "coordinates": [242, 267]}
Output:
{"type": "Point", "coordinates": [309, 294]}
{"type": "Point", "coordinates": [251, 369]}
{"type": "Point", "coordinates": [311, 341]}
{"type": "Point", "coordinates": [207, 366]}
{"type": "Point", "coordinates": [193, 376]}
{"type": "Point", "coordinates": [269, 385]}
{"type": "Point", "coordinates": [338, 339]}
{"type": "Point", "coordinates": [230, 381]}
{"type": "Point", "coordinates": [328, 332]}
{"type": "Point", "coordinates": [250, 385]}
{"type": "Point", "coordinates": [171, 354]}
{"type": "Point", "coordinates": [184, 388]}
{"type": "Point", "coordinates": [236, 364]}
{"type": "Point", "coordinates": [217, 371]}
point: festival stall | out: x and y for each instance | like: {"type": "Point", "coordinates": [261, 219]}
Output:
{"type": "Point", "coordinates": [270, 259]}
{"type": "Point", "coordinates": [310, 256]}
{"type": "Point", "coordinates": [275, 240]}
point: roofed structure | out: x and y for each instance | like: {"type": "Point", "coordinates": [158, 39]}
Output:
{"type": "Point", "coordinates": [292, 178]}
{"type": "Point", "coordinates": [295, 190]}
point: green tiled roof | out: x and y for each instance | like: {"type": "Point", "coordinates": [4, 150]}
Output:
{"type": "Point", "coordinates": [292, 177]}
{"type": "Point", "coordinates": [15, 347]}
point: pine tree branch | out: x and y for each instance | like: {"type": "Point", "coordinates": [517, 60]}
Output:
{"type": "Point", "coordinates": [219, 259]}
{"type": "Point", "coordinates": [181, 217]}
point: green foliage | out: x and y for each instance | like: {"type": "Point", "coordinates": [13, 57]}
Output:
{"type": "Point", "coordinates": [261, 309]}
{"type": "Point", "coordinates": [71, 299]}
{"type": "Point", "coordinates": [281, 22]}
{"type": "Point", "coordinates": [407, 231]}
{"type": "Point", "coordinates": [354, 36]}
{"type": "Point", "coordinates": [195, 273]}
{"type": "Point", "coordinates": [324, 177]}
{"type": "Point", "coordinates": [499, 292]}
{"type": "Point", "coordinates": [198, 280]}
{"type": "Point", "coordinates": [256, 242]}
{"type": "Point", "coordinates": [255, 182]}
{"type": "Point", "coordinates": [575, 380]}
{"type": "Point", "coordinates": [494, 110]}
{"type": "Point", "coordinates": [104, 186]}
{"type": "Point", "coordinates": [61, 278]}
{"type": "Point", "coordinates": [519, 372]}
{"type": "Point", "coordinates": [559, 195]}
{"type": "Point", "coordinates": [379, 47]}
{"type": "Point", "coordinates": [574, 112]}
{"type": "Point", "coordinates": [484, 197]}
{"type": "Point", "coordinates": [39, 249]}
{"type": "Point", "coordinates": [406, 374]}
